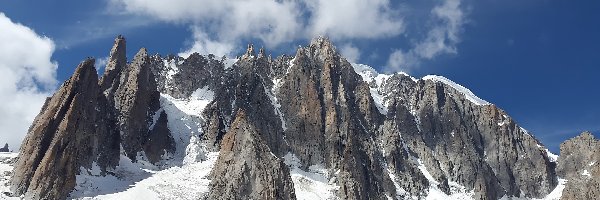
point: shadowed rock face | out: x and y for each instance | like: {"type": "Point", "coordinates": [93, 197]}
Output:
{"type": "Point", "coordinates": [137, 100]}
{"type": "Point", "coordinates": [246, 168]}
{"type": "Point", "coordinates": [87, 121]}
{"type": "Point", "coordinates": [477, 146]}
{"type": "Point", "coordinates": [579, 163]}
{"type": "Point", "coordinates": [72, 131]}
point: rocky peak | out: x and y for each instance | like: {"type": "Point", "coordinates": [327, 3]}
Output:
{"type": "Point", "coordinates": [117, 57]}
{"type": "Point", "coordinates": [322, 47]}
{"type": "Point", "coordinates": [249, 52]}
{"type": "Point", "coordinates": [137, 103]}
{"type": "Point", "coordinates": [117, 60]}
{"type": "Point", "coordinates": [70, 132]}
{"type": "Point", "coordinates": [247, 168]}
{"type": "Point", "coordinates": [5, 148]}
{"type": "Point", "coordinates": [579, 163]}
{"type": "Point", "coordinates": [261, 53]}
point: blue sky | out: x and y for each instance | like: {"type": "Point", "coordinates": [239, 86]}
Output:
{"type": "Point", "coordinates": [539, 60]}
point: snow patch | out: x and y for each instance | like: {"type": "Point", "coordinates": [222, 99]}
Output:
{"type": "Point", "coordinates": [172, 68]}
{"type": "Point", "coordinates": [369, 75]}
{"type": "Point", "coordinates": [5, 169]}
{"type": "Point", "coordinates": [554, 194]}
{"type": "Point", "coordinates": [134, 182]}
{"type": "Point", "coordinates": [524, 131]}
{"type": "Point", "coordinates": [228, 62]}
{"type": "Point", "coordinates": [457, 191]}
{"type": "Point", "coordinates": [466, 92]}
{"type": "Point", "coordinates": [312, 184]}
{"type": "Point", "coordinates": [551, 156]}
{"type": "Point", "coordinates": [275, 103]}
{"type": "Point", "coordinates": [185, 120]}
{"type": "Point", "coordinates": [586, 173]}
{"type": "Point", "coordinates": [557, 192]}
{"type": "Point", "coordinates": [155, 118]}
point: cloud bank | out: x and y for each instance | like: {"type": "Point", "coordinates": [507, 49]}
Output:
{"type": "Point", "coordinates": [448, 19]}
{"type": "Point", "coordinates": [27, 74]}
{"type": "Point", "coordinates": [219, 26]}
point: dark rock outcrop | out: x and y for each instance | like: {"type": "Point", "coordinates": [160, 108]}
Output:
{"type": "Point", "coordinates": [137, 101]}
{"type": "Point", "coordinates": [87, 121]}
{"type": "Point", "coordinates": [332, 121]}
{"type": "Point", "coordinates": [5, 148]}
{"type": "Point", "coordinates": [246, 168]}
{"type": "Point", "coordinates": [579, 164]}
{"type": "Point", "coordinates": [72, 131]}
{"type": "Point", "coordinates": [477, 146]}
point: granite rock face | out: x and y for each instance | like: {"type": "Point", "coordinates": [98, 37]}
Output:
{"type": "Point", "coordinates": [246, 168]}
{"type": "Point", "coordinates": [476, 146]}
{"type": "Point", "coordinates": [5, 148]}
{"type": "Point", "coordinates": [579, 164]}
{"type": "Point", "coordinates": [72, 131]}
{"type": "Point", "coordinates": [87, 121]}
{"type": "Point", "coordinates": [137, 101]}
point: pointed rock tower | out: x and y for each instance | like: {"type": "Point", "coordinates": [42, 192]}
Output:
{"type": "Point", "coordinates": [72, 131]}
{"type": "Point", "coordinates": [86, 122]}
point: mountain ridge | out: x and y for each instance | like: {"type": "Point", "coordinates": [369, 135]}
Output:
{"type": "Point", "coordinates": [314, 117]}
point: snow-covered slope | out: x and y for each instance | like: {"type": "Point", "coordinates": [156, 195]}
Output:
{"type": "Point", "coordinates": [313, 184]}
{"type": "Point", "coordinates": [181, 176]}
{"type": "Point", "coordinates": [6, 160]}
{"type": "Point", "coordinates": [370, 75]}
{"type": "Point", "coordinates": [468, 94]}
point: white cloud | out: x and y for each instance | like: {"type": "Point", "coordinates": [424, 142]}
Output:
{"type": "Point", "coordinates": [100, 64]}
{"type": "Point", "coordinates": [442, 38]}
{"type": "Point", "coordinates": [218, 25]}
{"type": "Point", "coordinates": [273, 22]}
{"type": "Point", "coordinates": [351, 53]}
{"type": "Point", "coordinates": [26, 76]}
{"type": "Point", "coordinates": [348, 19]}
{"type": "Point", "coordinates": [204, 45]}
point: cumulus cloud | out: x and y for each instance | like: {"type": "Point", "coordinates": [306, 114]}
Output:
{"type": "Point", "coordinates": [350, 52]}
{"type": "Point", "coordinates": [203, 44]}
{"type": "Point", "coordinates": [218, 25]}
{"type": "Point", "coordinates": [273, 22]}
{"type": "Point", "coordinates": [442, 38]}
{"type": "Point", "coordinates": [27, 74]}
{"type": "Point", "coordinates": [349, 19]}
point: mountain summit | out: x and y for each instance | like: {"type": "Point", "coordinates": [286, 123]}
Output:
{"type": "Point", "coordinates": [308, 126]}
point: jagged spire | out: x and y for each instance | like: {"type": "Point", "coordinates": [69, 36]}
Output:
{"type": "Point", "coordinates": [117, 60]}
{"type": "Point", "coordinates": [261, 52]}
{"type": "Point", "coordinates": [117, 57]}
{"type": "Point", "coordinates": [249, 51]}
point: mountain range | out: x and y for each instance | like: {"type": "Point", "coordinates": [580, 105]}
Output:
{"type": "Point", "coordinates": [307, 126]}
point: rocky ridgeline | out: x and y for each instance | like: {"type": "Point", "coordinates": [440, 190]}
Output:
{"type": "Point", "coordinates": [415, 136]}
{"type": "Point", "coordinates": [579, 163]}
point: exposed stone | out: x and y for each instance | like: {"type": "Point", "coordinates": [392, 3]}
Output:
{"type": "Point", "coordinates": [5, 148]}
{"type": "Point", "coordinates": [246, 168]}
{"type": "Point", "coordinates": [579, 163]}
{"type": "Point", "coordinates": [137, 101]}
{"type": "Point", "coordinates": [70, 132]}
